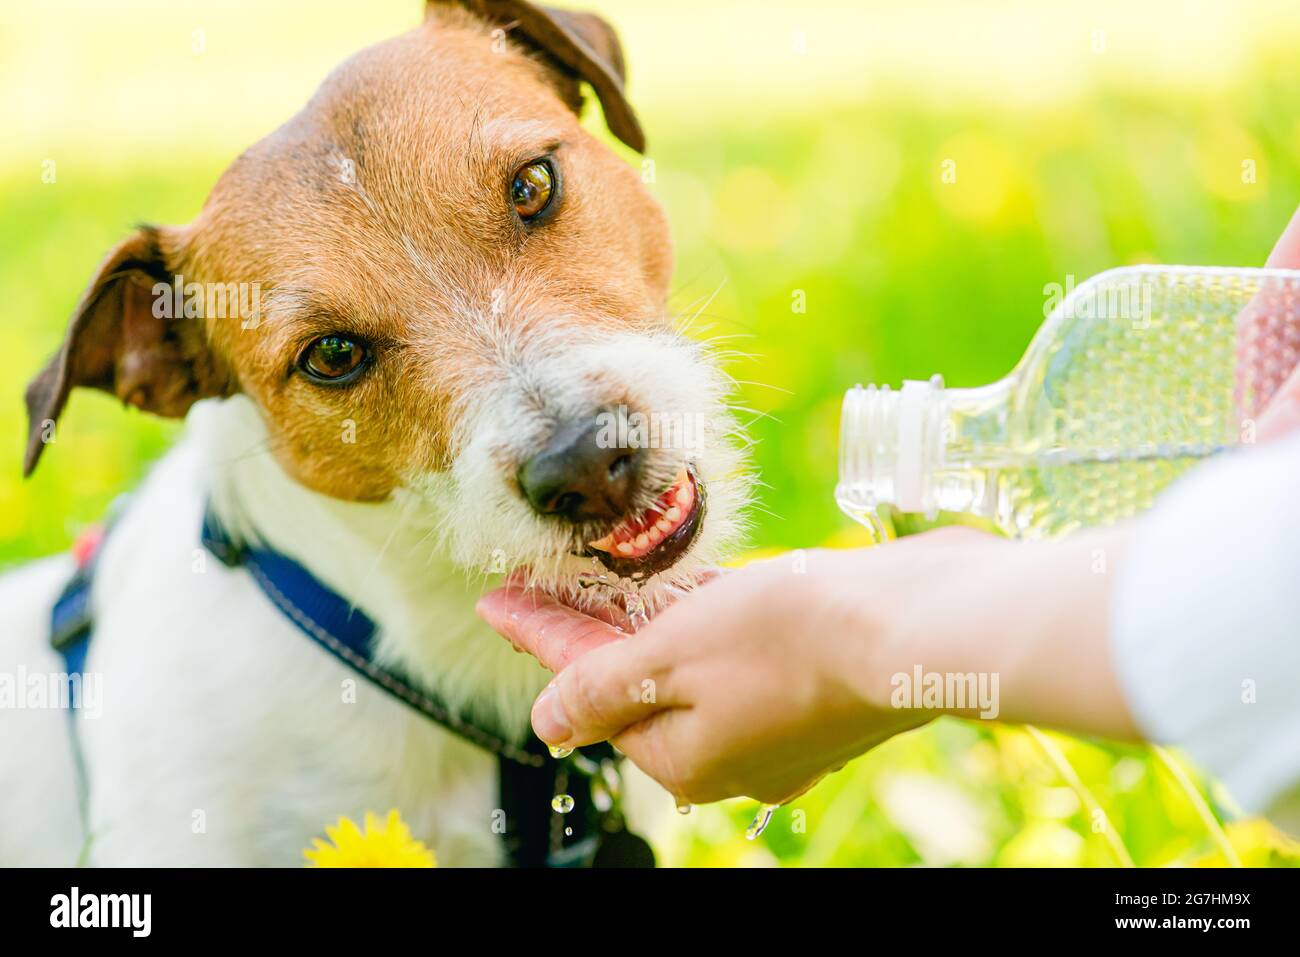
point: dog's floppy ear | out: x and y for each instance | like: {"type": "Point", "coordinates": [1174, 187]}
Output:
{"type": "Point", "coordinates": [581, 44]}
{"type": "Point", "coordinates": [116, 343]}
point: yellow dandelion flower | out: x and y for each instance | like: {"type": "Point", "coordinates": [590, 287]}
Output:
{"type": "Point", "coordinates": [379, 845]}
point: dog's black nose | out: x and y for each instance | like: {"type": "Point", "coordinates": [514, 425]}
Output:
{"type": "Point", "coordinates": [580, 477]}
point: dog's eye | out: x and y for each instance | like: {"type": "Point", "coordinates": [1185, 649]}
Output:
{"type": "Point", "coordinates": [332, 358]}
{"type": "Point", "coordinates": [531, 188]}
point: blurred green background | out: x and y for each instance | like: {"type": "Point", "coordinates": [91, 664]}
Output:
{"type": "Point", "coordinates": [800, 149]}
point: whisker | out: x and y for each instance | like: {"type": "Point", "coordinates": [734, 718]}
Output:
{"type": "Point", "coordinates": [686, 327]}
{"type": "Point", "coordinates": [762, 385]}
{"type": "Point", "coordinates": [755, 412]}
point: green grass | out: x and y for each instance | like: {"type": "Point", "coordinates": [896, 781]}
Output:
{"type": "Point", "coordinates": [904, 276]}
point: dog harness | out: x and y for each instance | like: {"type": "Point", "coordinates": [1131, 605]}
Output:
{"type": "Point", "coordinates": [536, 833]}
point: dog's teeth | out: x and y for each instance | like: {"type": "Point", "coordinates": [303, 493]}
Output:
{"type": "Point", "coordinates": [636, 538]}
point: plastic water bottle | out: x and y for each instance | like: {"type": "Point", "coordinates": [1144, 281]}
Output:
{"type": "Point", "coordinates": [1135, 376]}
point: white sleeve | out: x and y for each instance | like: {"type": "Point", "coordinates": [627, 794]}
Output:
{"type": "Point", "coordinates": [1205, 626]}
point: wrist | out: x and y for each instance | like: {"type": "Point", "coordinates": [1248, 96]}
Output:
{"type": "Point", "coordinates": [961, 623]}
{"type": "Point", "coordinates": [941, 643]}
{"type": "Point", "coordinates": [917, 608]}
{"type": "Point", "coordinates": [1039, 629]}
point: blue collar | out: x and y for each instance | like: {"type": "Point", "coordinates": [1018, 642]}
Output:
{"type": "Point", "coordinates": [593, 832]}
{"type": "Point", "coordinates": [346, 632]}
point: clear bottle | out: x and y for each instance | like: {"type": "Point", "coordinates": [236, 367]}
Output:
{"type": "Point", "coordinates": [1135, 376]}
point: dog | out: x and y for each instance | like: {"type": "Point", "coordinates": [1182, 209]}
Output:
{"type": "Point", "coordinates": [461, 295]}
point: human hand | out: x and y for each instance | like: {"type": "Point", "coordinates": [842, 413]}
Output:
{"type": "Point", "coordinates": [733, 689]}
{"type": "Point", "coordinates": [763, 680]}
{"type": "Point", "coordinates": [1282, 414]}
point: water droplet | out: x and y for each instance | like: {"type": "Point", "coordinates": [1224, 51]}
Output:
{"type": "Point", "coordinates": [637, 613]}
{"type": "Point", "coordinates": [761, 820]}
{"type": "Point", "coordinates": [601, 799]}
{"type": "Point", "coordinates": [568, 832]}
{"type": "Point", "coordinates": [562, 803]}
{"type": "Point", "coordinates": [684, 808]}
{"type": "Point", "coordinates": [559, 753]}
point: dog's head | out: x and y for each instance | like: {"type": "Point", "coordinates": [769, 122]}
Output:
{"type": "Point", "coordinates": [435, 284]}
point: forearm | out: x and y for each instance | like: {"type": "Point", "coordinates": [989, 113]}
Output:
{"type": "Point", "coordinates": [1045, 624]}
{"type": "Point", "coordinates": [1031, 618]}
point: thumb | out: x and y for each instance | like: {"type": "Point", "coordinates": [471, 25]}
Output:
{"type": "Point", "coordinates": [1283, 413]}
{"type": "Point", "coordinates": [600, 694]}
{"type": "Point", "coordinates": [606, 680]}
{"type": "Point", "coordinates": [1286, 253]}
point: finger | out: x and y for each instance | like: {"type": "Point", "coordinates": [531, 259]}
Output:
{"type": "Point", "coordinates": [659, 747]}
{"type": "Point", "coordinates": [616, 614]}
{"type": "Point", "coordinates": [674, 592]}
{"type": "Point", "coordinates": [1283, 413]}
{"type": "Point", "coordinates": [603, 692]}
{"type": "Point", "coordinates": [513, 609]}
{"type": "Point", "coordinates": [521, 578]}
{"type": "Point", "coordinates": [1286, 254]}
{"type": "Point", "coordinates": [553, 633]}
{"type": "Point", "coordinates": [667, 747]}
{"type": "Point", "coordinates": [1262, 335]}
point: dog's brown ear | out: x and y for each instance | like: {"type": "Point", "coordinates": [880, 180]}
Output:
{"type": "Point", "coordinates": [581, 44]}
{"type": "Point", "coordinates": [120, 342]}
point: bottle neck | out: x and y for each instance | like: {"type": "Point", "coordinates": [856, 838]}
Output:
{"type": "Point", "coordinates": [922, 448]}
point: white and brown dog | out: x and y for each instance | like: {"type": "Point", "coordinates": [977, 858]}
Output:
{"type": "Point", "coordinates": [460, 289]}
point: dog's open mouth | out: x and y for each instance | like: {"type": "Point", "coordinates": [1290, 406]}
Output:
{"type": "Point", "coordinates": [657, 538]}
